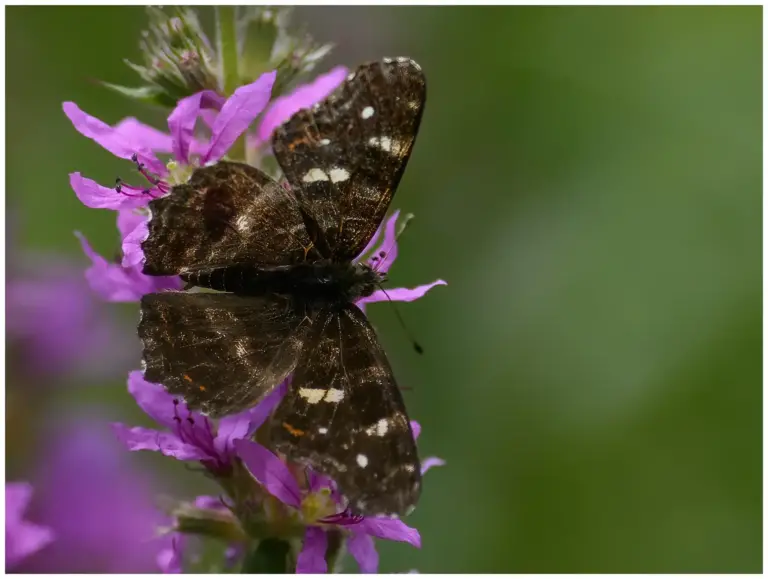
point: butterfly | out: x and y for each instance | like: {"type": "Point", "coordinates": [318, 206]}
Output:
{"type": "Point", "coordinates": [283, 259]}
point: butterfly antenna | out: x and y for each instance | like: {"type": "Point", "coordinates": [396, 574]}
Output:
{"type": "Point", "coordinates": [414, 343]}
{"type": "Point", "coordinates": [379, 257]}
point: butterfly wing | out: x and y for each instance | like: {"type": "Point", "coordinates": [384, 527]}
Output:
{"type": "Point", "coordinates": [226, 214]}
{"type": "Point", "coordinates": [345, 417]}
{"type": "Point", "coordinates": [220, 352]}
{"type": "Point", "coordinates": [345, 156]}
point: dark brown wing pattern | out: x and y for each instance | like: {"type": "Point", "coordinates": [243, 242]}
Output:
{"type": "Point", "coordinates": [344, 416]}
{"type": "Point", "coordinates": [218, 351]}
{"type": "Point", "coordinates": [345, 156]}
{"type": "Point", "coordinates": [227, 214]}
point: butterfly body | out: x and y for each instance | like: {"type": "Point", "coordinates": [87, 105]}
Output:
{"type": "Point", "coordinates": [284, 262]}
{"type": "Point", "coordinates": [318, 283]}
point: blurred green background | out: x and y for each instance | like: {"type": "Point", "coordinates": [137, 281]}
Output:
{"type": "Point", "coordinates": [588, 181]}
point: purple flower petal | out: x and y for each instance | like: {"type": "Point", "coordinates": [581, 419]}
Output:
{"type": "Point", "coordinates": [22, 538]}
{"type": "Point", "coordinates": [311, 559]}
{"type": "Point", "coordinates": [133, 254]}
{"type": "Point", "coordinates": [303, 97]}
{"type": "Point", "coordinates": [237, 114]}
{"type": "Point", "coordinates": [209, 502]}
{"type": "Point", "coordinates": [363, 549]}
{"type": "Point", "coordinates": [167, 443]}
{"type": "Point", "coordinates": [388, 247]}
{"type": "Point", "coordinates": [400, 294]}
{"type": "Point", "coordinates": [390, 529]}
{"type": "Point", "coordinates": [243, 424]}
{"type": "Point", "coordinates": [429, 462]}
{"type": "Point", "coordinates": [416, 429]}
{"type": "Point", "coordinates": [169, 560]}
{"type": "Point", "coordinates": [181, 123]}
{"type": "Point", "coordinates": [270, 471]}
{"type": "Point", "coordinates": [150, 138]}
{"type": "Point", "coordinates": [128, 220]}
{"type": "Point", "coordinates": [157, 402]}
{"type": "Point", "coordinates": [114, 283]}
{"type": "Point", "coordinates": [118, 142]}
{"type": "Point", "coordinates": [95, 196]}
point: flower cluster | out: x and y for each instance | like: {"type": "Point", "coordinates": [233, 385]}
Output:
{"type": "Point", "coordinates": [264, 496]}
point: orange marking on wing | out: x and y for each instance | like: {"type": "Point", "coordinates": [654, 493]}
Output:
{"type": "Point", "coordinates": [292, 430]}
{"type": "Point", "coordinates": [202, 388]}
{"type": "Point", "coordinates": [187, 378]}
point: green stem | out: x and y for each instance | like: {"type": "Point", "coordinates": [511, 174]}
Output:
{"type": "Point", "coordinates": [226, 41]}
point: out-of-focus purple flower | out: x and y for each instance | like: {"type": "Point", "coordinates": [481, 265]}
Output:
{"type": "Point", "coordinates": [101, 510]}
{"type": "Point", "coordinates": [54, 324]}
{"type": "Point", "coordinates": [320, 507]}
{"type": "Point", "coordinates": [190, 435]}
{"type": "Point", "coordinates": [130, 139]}
{"type": "Point", "coordinates": [304, 96]}
{"type": "Point", "coordinates": [22, 538]}
{"type": "Point", "coordinates": [381, 259]}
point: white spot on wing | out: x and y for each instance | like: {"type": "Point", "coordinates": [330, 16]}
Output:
{"type": "Point", "coordinates": [240, 348]}
{"type": "Point", "coordinates": [334, 395]}
{"type": "Point", "coordinates": [325, 141]}
{"type": "Point", "coordinates": [367, 113]}
{"type": "Point", "coordinates": [338, 174]}
{"type": "Point", "coordinates": [362, 460]}
{"type": "Point", "coordinates": [383, 143]}
{"type": "Point", "coordinates": [409, 467]}
{"type": "Point", "coordinates": [382, 426]}
{"type": "Point", "coordinates": [322, 430]}
{"type": "Point", "coordinates": [312, 395]}
{"type": "Point", "coordinates": [314, 175]}
{"type": "Point", "coordinates": [243, 222]}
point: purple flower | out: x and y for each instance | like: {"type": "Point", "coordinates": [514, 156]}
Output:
{"type": "Point", "coordinates": [55, 325]}
{"type": "Point", "coordinates": [381, 259]}
{"type": "Point", "coordinates": [102, 511]}
{"type": "Point", "coordinates": [320, 507]}
{"type": "Point", "coordinates": [130, 139]}
{"type": "Point", "coordinates": [22, 538]}
{"type": "Point", "coordinates": [118, 282]}
{"type": "Point", "coordinates": [189, 435]}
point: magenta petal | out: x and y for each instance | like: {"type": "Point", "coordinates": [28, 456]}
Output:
{"type": "Point", "coordinates": [363, 549]}
{"type": "Point", "coordinates": [156, 401]}
{"type": "Point", "coordinates": [169, 560]}
{"type": "Point", "coordinates": [95, 196]}
{"type": "Point", "coordinates": [115, 283]}
{"type": "Point", "coordinates": [111, 138]}
{"type": "Point", "coordinates": [400, 294]}
{"type": "Point", "coordinates": [237, 114]}
{"type": "Point", "coordinates": [416, 429]}
{"type": "Point", "coordinates": [429, 462]}
{"type": "Point", "coordinates": [133, 254]}
{"type": "Point", "coordinates": [391, 529]}
{"type": "Point", "coordinates": [311, 559]}
{"type": "Point", "coordinates": [181, 123]}
{"type": "Point", "coordinates": [243, 424]}
{"type": "Point", "coordinates": [209, 502]}
{"type": "Point", "coordinates": [128, 220]}
{"type": "Point", "coordinates": [22, 538]}
{"type": "Point", "coordinates": [270, 471]}
{"type": "Point", "coordinates": [17, 497]}
{"type": "Point", "coordinates": [149, 137]}
{"type": "Point", "coordinates": [388, 247]}
{"type": "Point", "coordinates": [303, 97]}
{"type": "Point", "coordinates": [167, 443]}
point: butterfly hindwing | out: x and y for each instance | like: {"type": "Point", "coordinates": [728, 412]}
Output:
{"type": "Point", "coordinates": [220, 352]}
{"type": "Point", "coordinates": [226, 214]}
{"type": "Point", "coordinates": [345, 156]}
{"type": "Point", "coordinates": [344, 416]}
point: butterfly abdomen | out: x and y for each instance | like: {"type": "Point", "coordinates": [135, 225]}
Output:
{"type": "Point", "coordinates": [323, 282]}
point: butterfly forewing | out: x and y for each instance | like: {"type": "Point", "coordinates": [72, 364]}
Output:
{"type": "Point", "coordinates": [226, 214]}
{"type": "Point", "coordinates": [218, 351]}
{"type": "Point", "coordinates": [345, 156]}
{"type": "Point", "coordinates": [344, 416]}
